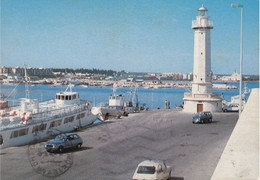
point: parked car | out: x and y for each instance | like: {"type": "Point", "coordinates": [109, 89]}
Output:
{"type": "Point", "coordinates": [202, 117]}
{"type": "Point", "coordinates": [231, 108]}
{"type": "Point", "coordinates": [152, 169]}
{"type": "Point", "coordinates": [64, 141]}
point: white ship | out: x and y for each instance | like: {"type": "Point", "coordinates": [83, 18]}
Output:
{"type": "Point", "coordinates": [34, 121]}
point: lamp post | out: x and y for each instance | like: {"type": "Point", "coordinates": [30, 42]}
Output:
{"type": "Point", "coordinates": [241, 55]}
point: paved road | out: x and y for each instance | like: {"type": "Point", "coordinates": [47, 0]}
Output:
{"type": "Point", "coordinates": [112, 150]}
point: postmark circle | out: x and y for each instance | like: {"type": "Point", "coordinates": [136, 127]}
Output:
{"type": "Point", "coordinates": [48, 164]}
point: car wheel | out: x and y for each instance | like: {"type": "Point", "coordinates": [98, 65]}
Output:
{"type": "Point", "coordinates": [225, 110]}
{"type": "Point", "coordinates": [202, 121]}
{"type": "Point", "coordinates": [210, 120]}
{"type": "Point", "coordinates": [78, 146]}
{"type": "Point", "coordinates": [60, 149]}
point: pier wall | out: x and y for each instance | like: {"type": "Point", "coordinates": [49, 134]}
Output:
{"type": "Point", "coordinates": [240, 159]}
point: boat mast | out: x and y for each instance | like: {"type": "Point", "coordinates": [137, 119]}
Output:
{"type": "Point", "coordinates": [27, 93]}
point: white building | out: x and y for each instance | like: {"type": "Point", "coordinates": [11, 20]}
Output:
{"type": "Point", "coordinates": [201, 97]}
{"type": "Point", "coordinates": [235, 77]}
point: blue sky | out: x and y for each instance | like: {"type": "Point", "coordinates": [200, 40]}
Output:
{"type": "Point", "coordinates": [131, 35]}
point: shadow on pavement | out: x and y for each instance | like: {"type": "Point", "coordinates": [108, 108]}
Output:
{"type": "Point", "coordinates": [176, 178]}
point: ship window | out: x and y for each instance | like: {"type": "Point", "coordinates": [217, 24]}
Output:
{"type": "Point", "coordinates": [14, 134]}
{"type": "Point", "coordinates": [37, 128]}
{"type": "Point", "coordinates": [23, 132]}
{"type": "Point", "coordinates": [62, 97]}
{"type": "Point", "coordinates": [67, 98]}
{"type": "Point", "coordinates": [55, 123]}
{"type": "Point", "coordinates": [74, 96]}
{"type": "Point", "coordinates": [20, 132]}
{"type": "Point", "coordinates": [68, 119]}
{"type": "Point", "coordinates": [82, 115]}
{"type": "Point", "coordinates": [1, 139]}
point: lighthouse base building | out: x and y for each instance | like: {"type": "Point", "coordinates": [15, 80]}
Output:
{"type": "Point", "coordinates": [201, 98]}
{"type": "Point", "coordinates": [202, 102]}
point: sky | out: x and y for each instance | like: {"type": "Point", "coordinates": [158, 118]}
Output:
{"type": "Point", "coordinates": [131, 35]}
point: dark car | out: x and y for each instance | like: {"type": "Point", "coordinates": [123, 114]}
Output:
{"type": "Point", "coordinates": [64, 141]}
{"type": "Point", "coordinates": [202, 117]}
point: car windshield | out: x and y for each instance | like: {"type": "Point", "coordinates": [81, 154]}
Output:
{"type": "Point", "coordinates": [196, 116]}
{"type": "Point", "coordinates": [146, 170]}
{"type": "Point", "coordinates": [60, 137]}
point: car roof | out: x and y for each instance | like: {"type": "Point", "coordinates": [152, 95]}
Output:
{"type": "Point", "coordinates": [150, 163]}
{"type": "Point", "coordinates": [67, 134]}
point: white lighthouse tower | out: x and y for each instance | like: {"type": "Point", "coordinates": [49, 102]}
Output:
{"type": "Point", "coordinates": [201, 98]}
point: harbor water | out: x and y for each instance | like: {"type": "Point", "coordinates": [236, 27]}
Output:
{"type": "Point", "coordinates": [152, 98]}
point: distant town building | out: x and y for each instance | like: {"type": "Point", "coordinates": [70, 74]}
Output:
{"type": "Point", "coordinates": [19, 71]}
{"type": "Point", "coordinates": [235, 77]}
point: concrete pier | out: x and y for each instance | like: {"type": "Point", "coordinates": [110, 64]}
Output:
{"type": "Point", "coordinates": [113, 150]}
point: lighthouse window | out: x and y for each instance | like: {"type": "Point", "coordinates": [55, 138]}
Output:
{"type": "Point", "coordinates": [201, 79]}
{"type": "Point", "coordinates": [201, 53]}
{"type": "Point", "coordinates": [1, 139]}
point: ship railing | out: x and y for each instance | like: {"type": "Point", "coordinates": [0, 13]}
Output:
{"type": "Point", "coordinates": [58, 112]}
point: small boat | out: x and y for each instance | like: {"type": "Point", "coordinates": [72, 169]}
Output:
{"type": "Point", "coordinates": [117, 106]}
{"type": "Point", "coordinates": [235, 100]}
{"type": "Point", "coordinates": [114, 108]}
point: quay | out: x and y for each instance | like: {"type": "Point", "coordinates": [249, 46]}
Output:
{"type": "Point", "coordinates": [113, 149]}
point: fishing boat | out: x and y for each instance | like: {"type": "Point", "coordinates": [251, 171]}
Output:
{"type": "Point", "coordinates": [114, 108]}
{"type": "Point", "coordinates": [117, 106]}
{"type": "Point", "coordinates": [33, 121]}
{"type": "Point", "coordinates": [235, 100]}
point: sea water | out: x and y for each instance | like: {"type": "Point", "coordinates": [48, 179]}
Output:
{"type": "Point", "coordinates": [152, 98]}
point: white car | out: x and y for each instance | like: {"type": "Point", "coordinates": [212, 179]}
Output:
{"type": "Point", "coordinates": [152, 169]}
{"type": "Point", "coordinates": [231, 108]}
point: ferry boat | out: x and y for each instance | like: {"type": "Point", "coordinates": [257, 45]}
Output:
{"type": "Point", "coordinates": [35, 121]}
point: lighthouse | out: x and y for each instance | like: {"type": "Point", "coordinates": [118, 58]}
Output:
{"type": "Point", "coordinates": [201, 98]}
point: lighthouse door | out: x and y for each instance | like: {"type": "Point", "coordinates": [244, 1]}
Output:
{"type": "Point", "coordinates": [199, 107]}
